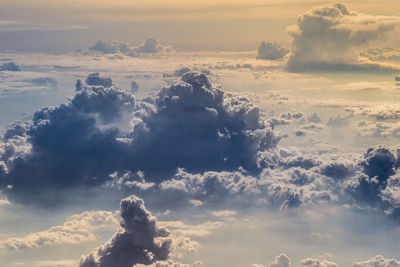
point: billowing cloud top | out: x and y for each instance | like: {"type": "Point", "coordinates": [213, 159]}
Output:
{"type": "Point", "coordinates": [271, 51]}
{"type": "Point", "coordinates": [330, 38]}
{"type": "Point", "coordinates": [141, 239]}
{"type": "Point", "coordinates": [104, 129]}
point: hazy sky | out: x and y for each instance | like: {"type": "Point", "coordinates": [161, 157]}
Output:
{"type": "Point", "coordinates": [189, 25]}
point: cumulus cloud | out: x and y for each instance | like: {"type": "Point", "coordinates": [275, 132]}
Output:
{"type": "Point", "coordinates": [141, 239]}
{"type": "Point", "coordinates": [271, 51]}
{"type": "Point", "coordinates": [76, 229]}
{"type": "Point", "coordinates": [94, 79]}
{"type": "Point", "coordinates": [10, 66]}
{"type": "Point", "coordinates": [312, 262]}
{"type": "Point", "coordinates": [281, 260]}
{"type": "Point", "coordinates": [150, 45]}
{"type": "Point", "coordinates": [110, 47]}
{"type": "Point", "coordinates": [104, 129]}
{"type": "Point", "coordinates": [377, 261]}
{"type": "Point", "coordinates": [330, 38]}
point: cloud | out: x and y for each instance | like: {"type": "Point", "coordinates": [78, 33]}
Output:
{"type": "Point", "coordinates": [95, 79]}
{"type": "Point", "coordinates": [10, 66]}
{"type": "Point", "coordinates": [224, 213]}
{"type": "Point", "coordinates": [281, 260]}
{"type": "Point", "coordinates": [76, 229]}
{"type": "Point", "coordinates": [150, 46]}
{"type": "Point", "coordinates": [377, 261]}
{"type": "Point", "coordinates": [312, 262]}
{"type": "Point", "coordinates": [104, 129]}
{"type": "Point", "coordinates": [141, 239]}
{"type": "Point", "coordinates": [186, 236]}
{"type": "Point", "coordinates": [110, 47]}
{"type": "Point", "coordinates": [134, 87]}
{"type": "Point", "coordinates": [330, 38]}
{"type": "Point", "coordinates": [271, 51]}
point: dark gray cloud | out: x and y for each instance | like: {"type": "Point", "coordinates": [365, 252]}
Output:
{"type": "Point", "coordinates": [134, 87]}
{"type": "Point", "coordinates": [10, 66]}
{"type": "Point", "coordinates": [140, 241]}
{"type": "Point", "coordinates": [104, 129]}
{"type": "Point", "coordinates": [94, 79]}
{"type": "Point", "coordinates": [271, 51]}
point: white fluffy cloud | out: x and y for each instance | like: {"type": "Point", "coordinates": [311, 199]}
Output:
{"type": "Point", "coordinates": [75, 230]}
{"type": "Point", "coordinates": [377, 261]}
{"type": "Point", "coordinates": [330, 38]}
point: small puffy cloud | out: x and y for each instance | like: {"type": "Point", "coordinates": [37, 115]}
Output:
{"type": "Point", "coordinates": [380, 162]}
{"type": "Point", "coordinates": [10, 66]}
{"type": "Point", "coordinates": [134, 87]}
{"type": "Point", "coordinates": [94, 79]}
{"type": "Point", "coordinates": [312, 262]}
{"type": "Point", "coordinates": [150, 46]}
{"type": "Point", "coordinates": [76, 229]}
{"type": "Point", "coordinates": [271, 51]}
{"type": "Point", "coordinates": [110, 47]}
{"type": "Point", "coordinates": [281, 260]}
{"type": "Point", "coordinates": [141, 240]}
{"type": "Point", "coordinates": [330, 38]}
{"type": "Point", "coordinates": [377, 261]}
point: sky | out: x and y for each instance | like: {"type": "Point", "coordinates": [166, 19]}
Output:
{"type": "Point", "coordinates": [60, 26]}
{"type": "Point", "coordinates": [199, 134]}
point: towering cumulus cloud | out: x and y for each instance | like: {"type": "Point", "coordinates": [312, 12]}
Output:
{"type": "Point", "coordinates": [330, 38]}
{"type": "Point", "coordinates": [104, 129]}
{"type": "Point", "coordinates": [141, 239]}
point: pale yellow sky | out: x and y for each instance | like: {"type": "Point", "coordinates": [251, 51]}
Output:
{"type": "Point", "coordinates": [185, 24]}
{"type": "Point", "coordinates": [195, 9]}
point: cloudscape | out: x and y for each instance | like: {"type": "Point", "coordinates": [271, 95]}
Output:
{"type": "Point", "coordinates": [185, 134]}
